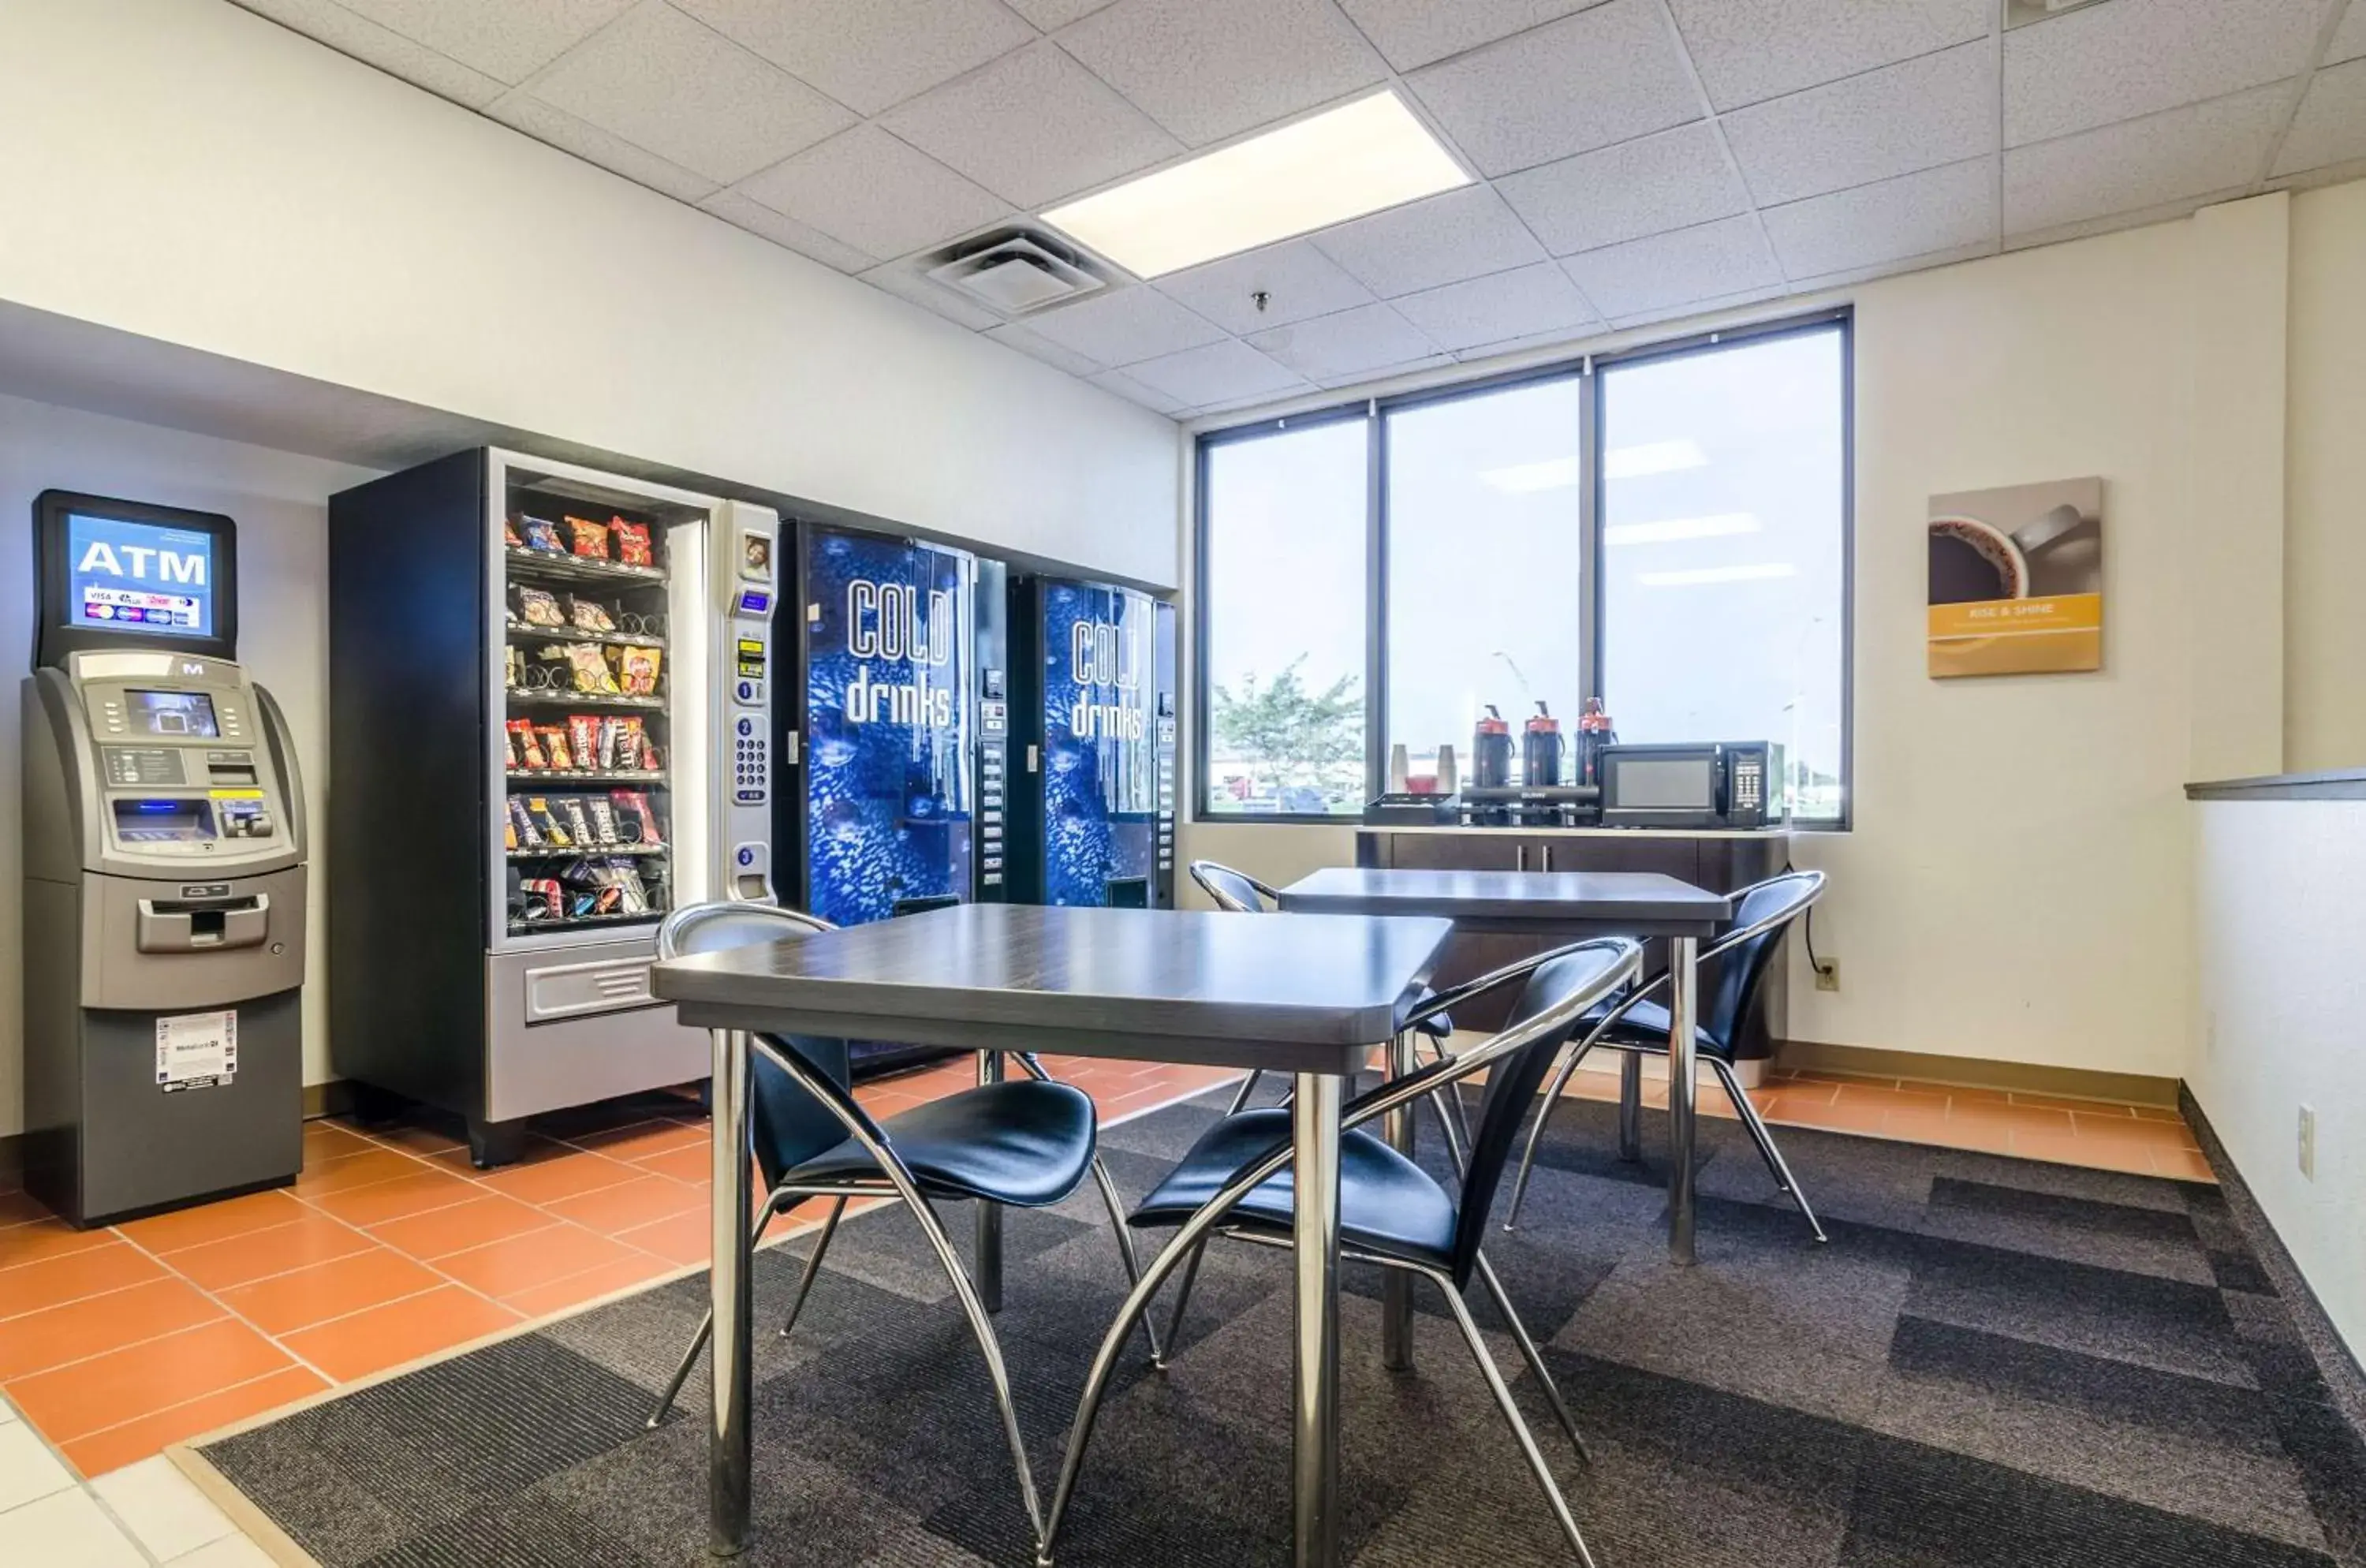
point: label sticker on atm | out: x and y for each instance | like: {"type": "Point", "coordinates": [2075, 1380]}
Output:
{"type": "Point", "coordinates": [196, 1049]}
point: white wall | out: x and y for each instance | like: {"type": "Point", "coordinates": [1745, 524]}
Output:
{"type": "Point", "coordinates": [2280, 930]}
{"type": "Point", "coordinates": [2016, 885]}
{"type": "Point", "coordinates": [2325, 561]}
{"type": "Point", "coordinates": [187, 171]}
{"type": "Point", "coordinates": [280, 502]}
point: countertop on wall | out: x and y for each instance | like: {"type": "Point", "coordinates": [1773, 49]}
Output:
{"type": "Point", "coordinates": [2337, 784]}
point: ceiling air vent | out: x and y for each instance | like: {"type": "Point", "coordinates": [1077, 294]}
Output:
{"type": "Point", "coordinates": [1015, 272]}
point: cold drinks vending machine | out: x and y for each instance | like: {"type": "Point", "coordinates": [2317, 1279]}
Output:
{"type": "Point", "coordinates": [892, 753]}
{"type": "Point", "coordinates": [1093, 751]}
{"type": "Point", "coordinates": [550, 723]}
{"type": "Point", "coordinates": [164, 875]}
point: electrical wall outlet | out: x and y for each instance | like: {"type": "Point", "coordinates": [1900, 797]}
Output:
{"type": "Point", "coordinates": [2308, 1141]}
{"type": "Point", "coordinates": [1828, 974]}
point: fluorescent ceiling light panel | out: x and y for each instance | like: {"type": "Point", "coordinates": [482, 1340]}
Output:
{"type": "Point", "coordinates": [1697, 576]}
{"type": "Point", "coordinates": [1526, 478]}
{"type": "Point", "coordinates": [1651, 457]}
{"type": "Point", "coordinates": [1327, 169]}
{"type": "Point", "coordinates": [1719, 525]}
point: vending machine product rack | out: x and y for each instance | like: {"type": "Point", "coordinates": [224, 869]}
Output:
{"type": "Point", "coordinates": [550, 692]}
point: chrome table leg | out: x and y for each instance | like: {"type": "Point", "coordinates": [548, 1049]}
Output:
{"type": "Point", "coordinates": [1396, 1285]}
{"type": "Point", "coordinates": [987, 1269]}
{"type": "Point", "coordinates": [730, 1454]}
{"type": "Point", "coordinates": [1314, 1123]}
{"type": "Point", "coordinates": [1630, 1105]}
{"type": "Point", "coordinates": [1683, 1004]}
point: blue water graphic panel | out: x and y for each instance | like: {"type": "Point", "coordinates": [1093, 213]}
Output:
{"type": "Point", "coordinates": [889, 713]}
{"type": "Point", "coordinates": [1100, 759]}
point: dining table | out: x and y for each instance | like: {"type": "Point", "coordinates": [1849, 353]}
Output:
{"type": "Point", "coordinates": [1306, 995]}
{"type": "Point", "coordinates": [1557, 905]}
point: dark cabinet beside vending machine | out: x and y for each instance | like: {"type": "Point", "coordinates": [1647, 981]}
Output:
{"type": "Point", "coordinates": [1093, 716]}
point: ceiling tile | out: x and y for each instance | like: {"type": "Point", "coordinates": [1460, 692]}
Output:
{"type": "Point", "coordinates": [1124, 326]}
{"type": "Point", "coordinates": [1725, 257]}
{"type": "Point", "coordinates": [326, 22]}
{"type": "Point", "coordinates": [1648, 186]}
{"type": "Point", "coordinates": [1441, 239]}
{"type": "Point", "coordinates": [1602, 75]}
{"type": "Point", "coordinates": [1939, 109]}
{"type": "Point", "coordinates": [1297, 279]}
{"type": "Point", "coordinates": [510, 40]}
{"type": "Point", "coordinates": [1033, 127]}
{"type": "Point", "coordinates": [741, 213]}
{"type": "Point", "coordinates": [1054, 14]}
{"type": "Point", "coordinates": [2111, 62]}
{"type": "Point", "coordinates": [1369, 373]}
{"type": "Point", "coordinates": [1209, 69]}
{"type": "Point", "coordinates": [1134, 391]}
{"type": "Point", "coordinates": [865, 187]}
{"type": "Point", "coordinates": [2331, 125]}
{"type": "Point", "coordinates": [1751, 50]}
{"type": "Point", "coordinates": [869, 54]}
{"type": "Point", "coordinates": [1525, 302]}
{"type": "Point", "coordinates": [903, 280]}
{"type": "Point", "coordinates": [665, 83]}
{"type": "Point", "coordinates": [1654, 315]}
{"type": "Point", "coordinates": [1415, 32]}
{"type": "Point", "coordinates": [2142, 163]}
{"type": "Point", "coordinates": [521, 110]}
{"type": "Point", "coordinates": [1219, 373]}
{"type": "Point", "coordinates": [1010, 335]}
{"type": "Point", "coordinates": [1914, 215]}
{"type": "Point", "coordinates": [1350, 342]}
{"type": "Point", "coordinates": [2350, 37]}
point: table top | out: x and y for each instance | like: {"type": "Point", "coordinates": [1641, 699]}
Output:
{"type": "Point", "coordinates": [1609, 903]}
{"type": "Point", "coordinates": [1301, 993]}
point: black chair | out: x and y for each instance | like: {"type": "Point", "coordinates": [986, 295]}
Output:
{"type": "Point", "coordinates": [1762, 913]}
{"type": "Point", "coordinates": [1243, 894]}
{"type": "Point", "coordinates": [1028, 1144]}
{"type": "Point", "coordinates": [1393, 1214]}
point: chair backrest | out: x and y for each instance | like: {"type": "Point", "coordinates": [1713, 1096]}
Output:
{"type": "Point", "coordinates": [1762, 913]}
{"type": "Point", "coordinates": [1233, 890]}
{"type": "Point", "coordinates": [1557, 995]}
{"type": "Point", "coordinates": [789, 1125]}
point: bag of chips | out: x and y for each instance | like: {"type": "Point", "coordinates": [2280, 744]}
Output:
{"type": "Point", "coordinates": [591, 538]}
{"type": "Point", "coordinates": [633, 547]}
{"type": "Point", "coordinates": [510, 534]}
{"type": "Point", "coordinates": [590, 667]}
{"type": "Point", "coordinates": [525, 743]}
{"type": "Point", "coordinates": [542, 533]}
{"type": "Point", "coordinates": [636, 823]}
{"type": "Point", "coordinates": [554, 747]}
{"type": "Point", "coordinates": [537, 607]}
{"type": "Point", "coordinates": [589, 615]}
{"type": "Point", "coordinates": [649, 762]}
{"type": "Point", "coordinates": [636, 670]}
{"type": "Point", "coordinates": [546, 822]}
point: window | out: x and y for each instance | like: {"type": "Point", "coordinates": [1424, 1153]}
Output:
{"type": "Point", "coordinates": [1283, 622]}
{"type": "Point", "coordinates": [1666, 530]}
{"type": "Point", "coordinates": [1724, 561]}
{"type": "Point", "coordinates": [1485, 552]}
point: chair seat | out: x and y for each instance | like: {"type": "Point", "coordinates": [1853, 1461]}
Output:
{"type": "Point", "coordinates": [1645, 1027]}
{"type": "Point", "coordinates": [1025, 1144]}
{"type": "Point", "coordinates": [1388, 1205]}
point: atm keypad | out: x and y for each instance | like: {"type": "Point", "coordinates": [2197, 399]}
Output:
{"type": "Point", "coordinates": [143, 765]}
{"type": "Point", "coordinates": [752, 764]}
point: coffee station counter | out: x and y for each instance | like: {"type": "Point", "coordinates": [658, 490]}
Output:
{"type": "Point", "coordinates": [1514, 830]}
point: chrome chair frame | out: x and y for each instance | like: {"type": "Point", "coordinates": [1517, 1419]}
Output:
{"type": "Point", "coordinates": [897, 1181]}
{"type": "Point", "coordinates": [1776, 1166]}
{"type": "Point", "coordinates": [1209, 1220]}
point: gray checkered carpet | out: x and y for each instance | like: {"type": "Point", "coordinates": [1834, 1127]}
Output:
{"type": "Point", "coordinates": [1993, 1363]}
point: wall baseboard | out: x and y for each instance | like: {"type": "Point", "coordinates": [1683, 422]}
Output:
{"type": "Point", "coordinates": [2074, 1083]}
{"type": "Point", "coordinates": [2336, 1361]}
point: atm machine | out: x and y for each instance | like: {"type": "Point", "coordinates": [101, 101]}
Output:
{"type": "Point", "coordinates": [1093, 721]}
{"type": "Point", "coordinates": [164, 875]}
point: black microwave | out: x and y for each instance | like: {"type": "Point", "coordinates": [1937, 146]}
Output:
{"type": "Point", "coordinates": [1733, 784]}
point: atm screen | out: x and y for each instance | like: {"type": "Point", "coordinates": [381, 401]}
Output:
{"type": "Point", "coordinates": [141, 576]}
{"type": "Point", "coordinates": [171, 713]}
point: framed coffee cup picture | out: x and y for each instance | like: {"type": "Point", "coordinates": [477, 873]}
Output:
{"type": "Point", "coordinates": [2017, 579]}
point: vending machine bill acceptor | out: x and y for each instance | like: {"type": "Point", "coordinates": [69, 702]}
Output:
{"type": "Point", "coordinates": [164, 873]}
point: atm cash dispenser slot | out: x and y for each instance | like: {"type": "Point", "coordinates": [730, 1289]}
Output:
{"type": "Point", "coordinates": [198, 925]}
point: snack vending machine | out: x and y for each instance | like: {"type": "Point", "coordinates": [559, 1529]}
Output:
{"type": "Point", "coordinates": [1094, 711]}
{"type": "Point", "coordinates": [549, 724]}
{"type": "Point", "coordinates": [891, 752]}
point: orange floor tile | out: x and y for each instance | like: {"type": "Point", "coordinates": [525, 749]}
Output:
{"type": "Point", "coordinates": [391, 1247]}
